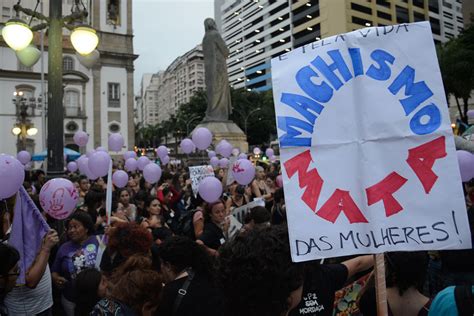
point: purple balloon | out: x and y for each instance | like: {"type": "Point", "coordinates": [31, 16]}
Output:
{"type": "Point", "coordinates": [235, 151]}
{"type": "Point", "coordinates": [256, 151]}
{"type": "Point", "coordinates": [214, 161]}
{"type": "Point", "coordinates": [131, 164]}
{"type": "Point", "coordinates": [152, 173]}
{"type": "Point", "coordinates": [279, 181]}
{"type": "Point", "coordinates": [24, 157]}
{"type": "Point", "coordinates": [470, 114]}
{"type": "Point", "coordinates": [210, 189]}
{"type": "Point", "coordinates": [12, 173]}
{"type": "Point", "coordinates": [187, 146]}
{"type": "Point", "coordinates": [269, 152]}
{"type": "Point", "coordinates": [90, 152]}
{"type": "Point", "coordinates": [116, 142]}
{"type": "Point", "coordinates": [466, 165]}
{"type": "Point", "coordinates": [28, 166]}
{"type": "Point", "coordinates": [273, 158]}
{"type": "Point", "coordinates": [129, 154]}
{"type": "Point", "coordinates": [224, 163]}
{"type": "Point", "coordinates": [81, 138]}
{"type": "Point", "coordinates": [58, 197]}
{"type": "Point", "coordinates": [142, 162]}
{"type": "Point", "coordinates": [211, 154]}
{"type": "Point", "coordinates": [100, 148]}
{"type": "Point", "coordinates": [243, 171]}
{"type": "Point", "coordinates": [165, 160]}
{"type": "Point", "coordinates": [82, 164]}
{"type": "Point", "coordinates": [243, 156]}
{"type": "Point", "coordinates": [99, 163]}
{"type": "Point", "coordinates": [72, 166]}
{"type": "Point", "coordinates": [202, 138]}
{"type": "Point", "coordinates": [225, 149]}
{"type": "Point", "coordinates": [162, 151]}
{"type": "Point", "coordinates": [120, 178]}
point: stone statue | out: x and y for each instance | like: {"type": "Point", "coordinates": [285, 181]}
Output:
{"type": "Point", "coordinates": [217, 82]}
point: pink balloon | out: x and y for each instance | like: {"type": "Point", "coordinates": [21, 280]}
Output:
{"type": "Point", "coordinates": [120, 178]}
{"type": "Point", "coordinates": [131, 164]}
{"type": "Point", "coordinates": [243, 156]}
{"type": "Point", "coordinates": [100, 148]}
{"type": "Point", "coordinates": [152, 173]}
{"type": "Point", "coordinates": [235, 151]}
{"type": "Point", "coordinates": [211, 154]}
{"type": "Point", "coordinates": [256, 151]}
{"type": "Point", "coordinates": [12, 173]}
{"type": "Point", "coordinates": [269, 152]}
{"type": "Point", "coordinates": [162, 151]}
{"type": "Point", "coordinates": [24, 157]}
{"type": "Point", "coordinates": [214, 161]}
{"type": "Point", "coordinates": [187, 146]}
{"type": "Point", "coordinates": [225, 149]}
{"type": "Point", "coordinates": [116, 142]}
{"type": "Point", "coordinates": [99, 163]}
{"type": "Point", "coordinates": [202, 138]}
{"type": "Point", "coordinates": [165, 160]}
{"type": "Point", "coordinates": [279, 181]}
{"type": "Point", "coordinates": [58, 197]}
{"type": "Point", "coordinates": [142, 162]}
{"type": "Point", "coordinates": [81, 138]}
{"type": "Point", "coordinates": [210, 189]}
{"type": "Point", "coordinates": [243, 171]}
{"type": "Point", "coordinates": [72, 166]}
{"type": "Point", "coordinates": [129, 154]}
{"type": "Point", "coordinates": [224, 163]}
{"type": "Point", "coordinates": [466, 165]}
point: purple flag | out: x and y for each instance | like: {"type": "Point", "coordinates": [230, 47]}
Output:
{"type": "Point", "coordinates": [28, 229]}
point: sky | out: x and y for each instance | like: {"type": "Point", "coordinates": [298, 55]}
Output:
{"type": "Point", "coordinates": [164, 30]}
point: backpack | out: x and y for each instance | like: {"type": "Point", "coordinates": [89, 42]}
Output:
{"type": "Point", "coordinates": [186, 225]}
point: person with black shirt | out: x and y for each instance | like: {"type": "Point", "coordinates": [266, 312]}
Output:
{"type": "Point", "coordinates": [323, 280]}
{"type": "Point", "coordinates": [9, 272]}
{"type": "Point", "coordinates": [216, 226]}
{"type": "Point", "coordinates": [187, 268]}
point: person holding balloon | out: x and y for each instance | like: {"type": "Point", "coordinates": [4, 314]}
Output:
{"type": "Point", "coordinates": [79, 253]}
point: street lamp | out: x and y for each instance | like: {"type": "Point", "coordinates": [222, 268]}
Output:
{"type": "Point", "coordinates": [17, 35]}
{"type": "Point", "coordinates": [23, 127]}
{"type": "Point", "coordinates": [246, 117]}
{"type": "Point", "coordinates": [189, 121]}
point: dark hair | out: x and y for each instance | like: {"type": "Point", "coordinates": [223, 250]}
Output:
{"type": "Point", "coordinates": [262, 293]}
{"type": "Point", "coordinates": [130, 239]}
{"type": "Point", "coordinates": [165, 191]}
{"type": "Point", "coordinates": [10, 257]}
{"type": "Point", "coordinates": [240, 189]}
{"type": "Point", "coordinates": [406, 269]}
{"type": "Point", "coordinates": [258, 214]}
{"type": "Point", "coordinates": [181, 252]}
{"type": "Point", "coordinates": [149, 199]}
{"type": "Point", "coordinates": [93, 198]}
{"type": "Point", "coordinates": [279, 195]}
{"type": "Point", "coordinates": [83, 177]}
{"type": "Point", "coordinates": [86, 283]}
{"type": "Point", "coordinates": [84, 218]}
{"type": "Point", "coordinates": [166, 176]}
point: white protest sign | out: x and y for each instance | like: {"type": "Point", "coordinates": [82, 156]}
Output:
{"type": "Point", "coordinates": [197, 173]}
{"type": "Point", "coordinates": [234, 227]}
{"type": "Point", "coordinates": [230, 175]}
{"type": "Point", "coordinates": [367, 150]}
{"type": "Point", "coordinates": [240, 212]}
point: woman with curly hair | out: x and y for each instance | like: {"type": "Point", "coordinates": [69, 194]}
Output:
{"type": "Point", "coordinates": [187, 268]}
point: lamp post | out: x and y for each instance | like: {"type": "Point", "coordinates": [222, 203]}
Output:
{"type": "Point", "coordinates": [23, 127]}
{"type": "Point", "coordinates": [246, 117]}
{"type": "Point", "coordinates": [84, 40]}
{"type": "Point", "coordinates": [189, 121]}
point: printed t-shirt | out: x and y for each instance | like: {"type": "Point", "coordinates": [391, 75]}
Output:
{"type": "Point", "coordinates": [320, 284]}
{"type": "Point", "coordinates": [72, 258]}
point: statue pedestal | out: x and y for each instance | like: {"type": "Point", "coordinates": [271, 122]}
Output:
{"type": "Point", "coordinates": [229, 131]}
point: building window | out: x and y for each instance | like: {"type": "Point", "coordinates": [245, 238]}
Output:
{"type": "Point", "coordinates": [114, 128]}
{"type": "Point", "coordinates": [6, 12]}
{"type": "Point", "coordinates": [433, 6]}
{"type": "Point", "coordinates": [68, 63]}
{"type": "Point", "coordinates": [71, 103]}
{"type": "Point", "coordinates": [384, 15]}
{"type": "Point", "coordinates": [402, 15]}
{"type": "Point", "coordinates": [114, 95]}
{"type": "Point", "coordinates": [360, 21]}
{"type": "Point", "coordinates": [435, 27]}
{"type": "Point", "coordinates": [22, 67]}
{"type": "Point", "coordinates": [419, 16]}
{"type": "Point", "coordinates": [72, 127]}
{"type": "Point", "coordinates": [383, 3]}
{"type": "Point", "coordinates": [113, 12]}
{"type": "Point", "coordinates": [361, 8]}
{"type": "Point", "coordinates": [418, 3]}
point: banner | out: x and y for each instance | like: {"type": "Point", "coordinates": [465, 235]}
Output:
{"type": "Point", "coordinates": [240, 212]}
{"type": "Point", "coordinates": [197, 173]}
{"type": "Point", "coordinates": [367, 150]}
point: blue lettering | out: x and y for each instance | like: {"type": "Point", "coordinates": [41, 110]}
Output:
{"type": "Point", "coordinates": [356, 61]}
{"type": "Point", "coordinates": [417, 92]}
{"type": "Point", "coordinates": [328, 70]}
{"type": "Point", "coordinates": [288, 124]}
{"type": "Point", "coordinates": [433, 123]}
{"type": "Point", "coordinates": [302, 105]}
{"type": "Point", "coordinates": [381, 57]}
{"type": "Point", "coordinates": [321, 92]}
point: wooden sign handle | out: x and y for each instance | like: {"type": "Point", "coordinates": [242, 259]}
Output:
{"type": "Point", "coordinates": [380, 285]}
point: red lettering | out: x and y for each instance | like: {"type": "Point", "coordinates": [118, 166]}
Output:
{"type": "Point", "coordinates": [422, 158]}
{"type": "Point", "coordinates": [384, 191]}
{"type": "Point", "coordinates": [310, 180]}
{"type": "Point", "coordinates": [341, 201]}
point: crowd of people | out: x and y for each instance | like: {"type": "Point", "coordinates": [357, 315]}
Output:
{"type": "Point", "coordinates": [168, 252]}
